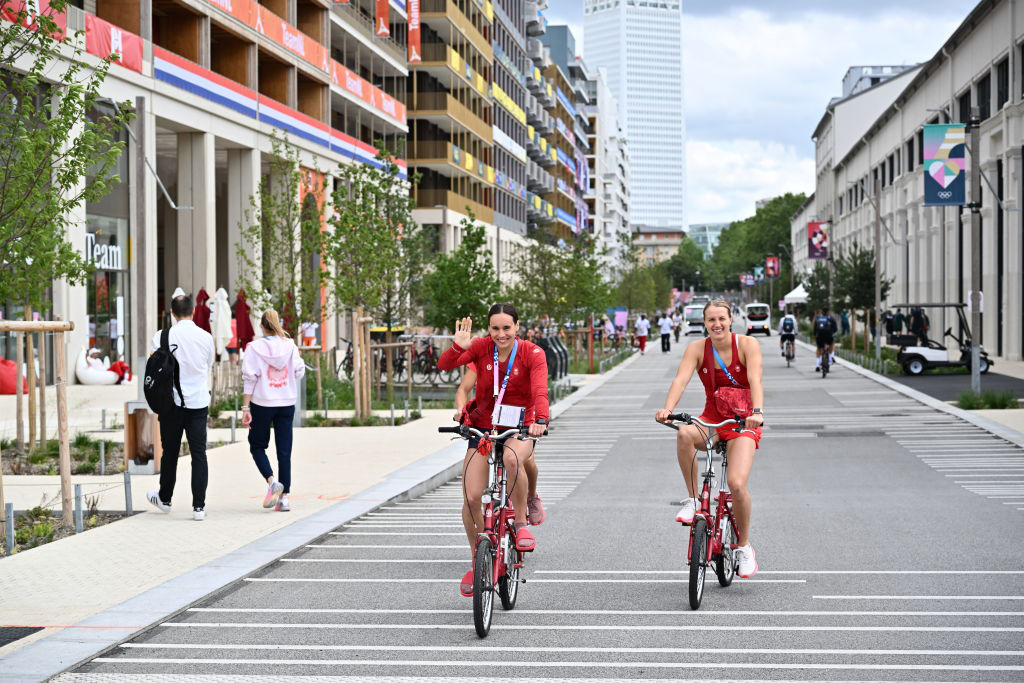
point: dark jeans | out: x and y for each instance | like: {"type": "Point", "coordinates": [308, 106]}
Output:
{"type": "Point", "coordinates": [281, 418]}
{"type": "Point", "coordinates": [666, 342]}
{"type": "Point", "coordinates": [191, 421]}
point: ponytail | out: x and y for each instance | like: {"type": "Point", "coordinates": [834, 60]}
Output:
{"type": "Point", "coordinates": [271, 322]}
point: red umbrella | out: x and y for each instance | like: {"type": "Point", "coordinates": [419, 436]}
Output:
{"type": "Point", "coordinates": [243, 324]}
{"type": "Point", "coordinates": [202, 315]}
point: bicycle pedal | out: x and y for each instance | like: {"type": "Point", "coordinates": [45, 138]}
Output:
{"type": "Point", "coordinates": [517, 565]}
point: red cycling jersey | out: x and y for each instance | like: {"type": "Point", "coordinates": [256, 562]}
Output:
{"type": "Point", "coordinates": [527, 385]}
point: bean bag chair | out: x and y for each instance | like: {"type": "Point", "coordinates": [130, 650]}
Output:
{"type": "Point", "coordinates": [9, 378]}
{"type": "Point", "coordinates": [90, 375]}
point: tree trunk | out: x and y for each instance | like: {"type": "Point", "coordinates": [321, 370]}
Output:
{"type": "Point", "coordinates": [30, 368]}
{"type": "Point", "coordinates": [19, 355]}
{"type": "Point", "coordinates": [390, 366]}
{"type": "Point", "coordinates": [867, 329]}
{"type": "Point", "coordinates": [853, 329]}
{"type": "Point", "coordinates": [319, 378]}
{"type": "Point", "coordinates": [42, 390]}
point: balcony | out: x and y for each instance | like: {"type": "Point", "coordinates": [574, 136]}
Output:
{"type": "Point", "coordinates": [438, 14]}
{"type": "Point", "coordinates": [444, 110]}
{"type": "Point", "coordinates": [535, 23]}
{"type": "Point", "coordinates": [363, 24]}
{"type": "Point", "coordinates": [449, 68]}
{"type": "Point", "coordinates": [535, 51]}
{"type": "Point", "coordinates": [454, 201]}
{"type": "Point", "coordinates": [446, 159]}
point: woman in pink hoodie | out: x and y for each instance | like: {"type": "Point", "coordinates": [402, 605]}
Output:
{"type": "Point", "coordinates": [271, 371]}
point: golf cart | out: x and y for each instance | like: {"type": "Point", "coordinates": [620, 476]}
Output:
{"type": "Point", "coordinates": [916, 358]}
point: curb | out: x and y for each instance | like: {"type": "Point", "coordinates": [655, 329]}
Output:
{"type": "Point", "coordinates": [1002, 431]}
{"type": "Point", "coordinates": [71, 647]}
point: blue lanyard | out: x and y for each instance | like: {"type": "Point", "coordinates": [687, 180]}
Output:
{"type": "Point", "coordinates": [508, 370]}
{"type": "Point", "coordinates": [724, 369]}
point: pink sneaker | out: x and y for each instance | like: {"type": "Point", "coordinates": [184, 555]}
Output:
{"type": "Point", "coordinates": [747, 562]}
{"type": "Point", "coordinates": [535, 511]}
{"type": "Point", "coordinates": [274, 492]}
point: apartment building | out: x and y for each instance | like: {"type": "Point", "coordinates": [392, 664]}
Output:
{"type": "Point", "coordinates": [875, 137]}
{"type": "Point", "coordinates": [608, 160]}
{"type": "Point", "coordinates": [210, 82]}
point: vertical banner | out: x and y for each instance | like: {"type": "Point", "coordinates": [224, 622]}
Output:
{"type": "Point", "coordinates": [817, 240]}
{"type": "Point", "coordinates": [415, 46]}
{"type": "Point", "coordinates": [944, 149]}
{"type": "Point", "coordinates": [772, 266]}
{"type": "Point", "coordinates": [382, 23]}
{"type": "Point", "coordinates": [758, 273]}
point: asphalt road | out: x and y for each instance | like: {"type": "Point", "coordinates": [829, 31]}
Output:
{"type": "Point", "coordinates": [949, 387]}
{"type": "Point", "coordinates": [889, 538]}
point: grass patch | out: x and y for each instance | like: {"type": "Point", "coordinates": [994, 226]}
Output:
{"type": "Point", "coordinates": [987, 400]}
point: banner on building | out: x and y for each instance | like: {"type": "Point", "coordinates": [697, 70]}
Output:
{"type": "Point", "coordinates": [104, 39]}
{"type": "Point", "coordinates": [383, 21]}
{"type": "Point", "coordinates": [817, 240]}
{"type": "Point", "coordinates": [945, 182]}
{"type": "Point", "coordinates": [415, 39]}
{"type": "Point", "coordinates": [747, 279]}
{"type": "Point", "coordinates": [11, 9]}
{"type": "Point", "coordinates": [772, 266]}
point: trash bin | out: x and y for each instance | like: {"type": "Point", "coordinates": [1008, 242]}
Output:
{"type": "Point", "coordinates": [563, 356]}
{"type": "Point", "coordinates": [142, 447]}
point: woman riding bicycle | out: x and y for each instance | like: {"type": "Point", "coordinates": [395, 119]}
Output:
{"type": "Point", "coordinates": [511, 377]}
{"type": "Point", "coordinates": [735, 361]}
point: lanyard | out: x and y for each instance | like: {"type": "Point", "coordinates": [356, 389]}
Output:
{"type": "Point", "coordinates": [724, 368]}
{"type": "Point", "coordinates": [508, 371]}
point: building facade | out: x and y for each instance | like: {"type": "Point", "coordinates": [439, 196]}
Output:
{"type": "Point", "coordinates": [927, 251]}
{"type": "Point", "coordinates": [608, 194]}
{"type": "Point", "coordinates": [705, 236]}
{"type": "Point", "coordinates": [639, 44]}
{"type": "Point", "coordinates": [656, 244]}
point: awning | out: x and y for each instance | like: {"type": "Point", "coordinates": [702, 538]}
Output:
{"type": "Point", "coordinates": [797, 296]}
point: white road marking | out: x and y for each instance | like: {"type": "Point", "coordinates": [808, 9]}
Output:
{"type": "Point", "coordinates": [598, 627]}
{"type": "Point", "coordinates": [614, 612]}
{"type": "Point", "coordinates": [326, 560]}
{"type": "Point", "coordinates": [788, 571]}
{"type": "Point", "coordinates": [392, 533]}
{"type": "Point", "coordinates": [532, 581]}
{"type": "Point", "coordinates": [918, 597]}
{"type": "Point", "coordinates": [403, 545]}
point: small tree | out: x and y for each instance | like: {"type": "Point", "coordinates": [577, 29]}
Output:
{"type": "Point", "coordinates": [855, 282]}
{"type": "Point", "coordinates": [282, 244]}
{"type": "Point", "coordinates": [817, 284]}
{"type": "Point", "coordinates": [462, 282]}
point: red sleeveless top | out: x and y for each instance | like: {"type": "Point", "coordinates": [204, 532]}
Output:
{"type": "Point", "coordinates": [710, 365]}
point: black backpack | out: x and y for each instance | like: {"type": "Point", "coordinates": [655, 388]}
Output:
{"type": "Point", "coordinates": [162, 377]}
{"type": "Point", "coordinates": [822, 325]}
{"type": "Point", "coordinates": [787, 325]}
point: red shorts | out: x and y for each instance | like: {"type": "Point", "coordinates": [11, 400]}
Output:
{"type": "Point", "coordinates": [728, 433]}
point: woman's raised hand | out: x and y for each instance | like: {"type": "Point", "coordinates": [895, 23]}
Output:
{"type": "Point", "coordinates": [463, 330]}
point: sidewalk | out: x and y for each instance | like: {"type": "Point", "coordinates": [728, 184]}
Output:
{"type": "Point", "coordinates": [91, 591]}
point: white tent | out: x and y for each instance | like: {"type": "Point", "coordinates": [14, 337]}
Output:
{"type": "Point", "coordinates": [797, 296]}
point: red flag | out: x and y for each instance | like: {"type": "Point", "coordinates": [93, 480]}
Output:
{"type": "Point", "coordinates": [104, 39]}
{"type": "Point", "coordinates": [415, 46]}
{"type": "Point", "coordinates": [383, 21]}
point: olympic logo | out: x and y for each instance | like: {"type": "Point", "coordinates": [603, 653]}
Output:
{"type": "Point", "coordinates": [945, 195]}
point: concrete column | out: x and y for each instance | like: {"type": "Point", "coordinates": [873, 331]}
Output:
{"type": "Point", "coordinates": [143, 269]}
{"type": "Point", "coordinates": [1013, 296]}
{"type": "Point", "coordinates": [197, 227]}
{"type": "Point", "coordinates": [243, 185]}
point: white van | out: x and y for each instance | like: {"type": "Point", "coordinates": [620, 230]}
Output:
{"type": "Point", "coordinates": [759, 318]}
{"type": "Point", "coordinates": [693, 319]}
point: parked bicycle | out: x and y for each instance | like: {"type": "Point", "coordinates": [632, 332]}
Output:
{"type": "Point", "coordinates": [712, 535]}
{"type": "Point", "coordinates": [497, 563]}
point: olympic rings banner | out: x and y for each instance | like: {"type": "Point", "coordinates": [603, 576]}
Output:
{"type": "Point", "coordinates": [945, 183]}
{"type": "Point", "coordinates": [817, 240]}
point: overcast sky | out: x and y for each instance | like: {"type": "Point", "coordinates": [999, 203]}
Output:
{"type": "Point", "coordinates": [758, 76]}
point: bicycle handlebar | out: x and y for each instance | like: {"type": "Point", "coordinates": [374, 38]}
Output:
{"type": "Point", "coordinates": [465, 431]}
{"type": "Point", "coordinates": [690, 419]}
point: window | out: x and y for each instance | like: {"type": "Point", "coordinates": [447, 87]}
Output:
{"type": "Point", "coordinates": [964, 106]}
{"type": "Point", "coordinates": [985, 97]}
{"type": "Point", "coordinates": [1002, 83]}
{"type": "Point", "coordinates": [892, 168]}
{"type": "Point", "coordinates": [909, 155]}
{"type": "Point", "coordinates": [920, 146]}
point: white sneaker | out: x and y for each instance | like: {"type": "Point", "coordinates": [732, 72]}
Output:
{"type": "Point", "coordinates": [745, 559]}
{"type": "Point", "coordinates": [274, 492]}
{"type": "Point", "coordinates": [832, 359]}
{"type": "Point", "coordinates": [198, 514]}
{"type": "Point", "coordinates": [154, 498]}
{"type": "Point", "coordinates": [282, 505]}
{"type": "Point", "coordinates": [687, 512]}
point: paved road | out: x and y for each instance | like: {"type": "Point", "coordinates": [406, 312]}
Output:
{"type": "Point", "coordinates": [889, 538]}
{"type": "Point", "coordinates": [949, 387]}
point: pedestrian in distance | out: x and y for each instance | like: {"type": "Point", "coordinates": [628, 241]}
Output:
{"type": "Point", "coordinates": [844, 316]}
{"type": "Point", "coordinates": [642, 327]}
{"type": "Point", "coordinates": [665, 324]}
{"type": "Point", "coordinates": [677, 324]}
{"type": "Point", "coordinates": [193, 350]}
{"type": "Point", "coordinates": [898, 321]}
{"type": "Point", "coordinates": [271, 371]}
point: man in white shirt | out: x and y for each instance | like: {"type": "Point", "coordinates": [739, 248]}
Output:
{"type": "Point", "coordinates": [642, 326]}
{"type": "Point", "coordinates": [677, 324]}
{"type": "Point", "coordinates": [665, 323]}
{"type": "Point", "coordinates": [192, 347]}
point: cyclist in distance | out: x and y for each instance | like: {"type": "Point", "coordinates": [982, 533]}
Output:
{"type": "Point", "coordinates": [511, 379]}
{"type": "Point", "coordinates": [741, 356]}
{"type": "Point", "coordinates": [787, 330]}
{"type": "Point", "coordinates": [825, 329]}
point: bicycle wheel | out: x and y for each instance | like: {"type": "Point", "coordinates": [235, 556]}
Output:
{"type": "Point", "coordinates": [698, 560]}
{"type": "Point", "coordinates": [824, 365]}
{"type": "Point", "coordinates": [483, 588]}
{"type": "Point", "coordinates": [725, 563]}
{"type": "Point", "coordinates": [508, 585]}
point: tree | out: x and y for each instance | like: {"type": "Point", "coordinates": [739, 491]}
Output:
{"type": "Point", "coordinates": [282, 245]}
{"type": "Point", "coordinates": [58, 153]}
{"type": "Point", "coordinates": [855, 281]}
{"type": "Point", "coordinates": [462, 282]}
{"type": "Point", "coordinates": [817, 284]}
{"type": "Point", "coordinates": [686, 267]}
{"type": "Point", "coordinates": [636, 288]}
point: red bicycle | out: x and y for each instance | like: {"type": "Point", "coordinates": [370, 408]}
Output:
{"type": "Point", "coordinates": [712, 536]}
{"type": "Point", "coordinates": [497, 562]}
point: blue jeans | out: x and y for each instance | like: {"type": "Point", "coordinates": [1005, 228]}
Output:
{"type": "Point", "coordinates": [259, 438]}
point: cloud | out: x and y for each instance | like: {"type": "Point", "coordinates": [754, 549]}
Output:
{"type": "Point", "coordinates": [726, 177]}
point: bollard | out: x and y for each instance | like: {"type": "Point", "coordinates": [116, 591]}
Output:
{"type": "Point", "coordinates": [103, 458]}
{"type": "Point", "coordinates": [407, 410]}
{"type": "Point", "coordinates": [9, 523]}
{"type": "Point", "coordinates": [103, 418]}
{"type": "Point", "coordinates": [419, 404]}
{"type": "Point", "coordinates": [127, 492]}
{"type": "Point", "coordinates": [232, 428]}
{"type": "Point", "coordinates": [392, 414]}
{"type": "Point", "coordinates": [78, 508]}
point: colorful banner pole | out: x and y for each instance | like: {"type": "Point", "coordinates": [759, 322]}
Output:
{"type": "Point", "coordinates": [944, 150]}
{"type": "Point", "coordinates": [383, 19]}
{"type": "Point", "coordinates": [817, 240]}
{"type": "Point", "coordinates": [415, 38]}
